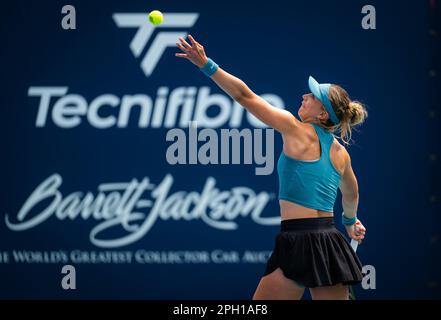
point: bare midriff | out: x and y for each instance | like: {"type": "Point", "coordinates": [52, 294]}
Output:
{"type": "Point", "coordinates": [291, 210]}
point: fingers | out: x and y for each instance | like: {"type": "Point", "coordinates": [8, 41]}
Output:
{"type": "Point", "coordinates": [359, 225]}
{"type": "Point", "coordinates": [357, 232]}
{"type": "Point", "coordinates": [185, 43]}
{"type": "Point", "coordinates": [195, 52]}
{"type": "Point", "coordinates": [192, 40]}
{"type": "Point", "coordinates": [359, 229]}
{"type": "Point", "coordinates": [359, 238]}
{"type": "Point", "coordinates": [180, 46]}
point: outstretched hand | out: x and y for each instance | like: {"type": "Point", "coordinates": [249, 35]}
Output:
{"type": "Point", "coordinates": [194, 52]}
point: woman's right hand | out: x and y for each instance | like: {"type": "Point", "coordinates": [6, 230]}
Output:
{"type": "Point", "coordinates": [356, 231]}
{"type": "Point", "coordinates": [194, 52]}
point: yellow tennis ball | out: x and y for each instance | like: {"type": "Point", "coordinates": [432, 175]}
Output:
{"type": "Point", "coordinates": [156, 17]}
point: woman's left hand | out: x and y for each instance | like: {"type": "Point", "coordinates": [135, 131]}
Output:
{"type": "Point", "coordinates": [194, 52]}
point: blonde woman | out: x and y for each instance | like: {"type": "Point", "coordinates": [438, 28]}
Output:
{"type": "Point", "coordinates": [309, 251]}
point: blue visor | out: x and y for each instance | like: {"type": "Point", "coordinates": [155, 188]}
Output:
{"type": "Point", "coordinates": [321, 92]}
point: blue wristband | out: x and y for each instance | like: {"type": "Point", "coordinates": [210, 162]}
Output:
{"type": "Point", "coordinates": [347, 221]}
{"type": "Point", "coordinates": [209, 68]}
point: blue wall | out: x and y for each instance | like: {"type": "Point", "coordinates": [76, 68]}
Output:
{"type": "Point", "coordinates": [273, 48]}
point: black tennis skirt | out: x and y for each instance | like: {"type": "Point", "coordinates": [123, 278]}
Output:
{"type": "Point", "coordinates": [313, 253]}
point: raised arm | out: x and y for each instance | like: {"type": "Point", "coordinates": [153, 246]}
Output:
{"type": "Point", "coordinates": [279, 119]}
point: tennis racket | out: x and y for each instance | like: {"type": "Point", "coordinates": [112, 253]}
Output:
{"type": "Point", "coordinates": [354, 245]}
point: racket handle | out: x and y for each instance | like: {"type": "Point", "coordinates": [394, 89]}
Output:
{"type": "Point", "coordinates": [354, 245]}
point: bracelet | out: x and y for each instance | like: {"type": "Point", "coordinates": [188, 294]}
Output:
{"type": "Point", "coordinates": [348, 221]}
{"type": "Point", "coordinates": [209, 68]}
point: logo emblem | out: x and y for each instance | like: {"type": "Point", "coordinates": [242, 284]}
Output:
{"type": "Point", "coordinates": [162, 40]}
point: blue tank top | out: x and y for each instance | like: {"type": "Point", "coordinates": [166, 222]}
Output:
{"type": "Point", "coordinates": [312, 184]}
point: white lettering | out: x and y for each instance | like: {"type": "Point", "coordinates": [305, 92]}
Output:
{"type": "Point", "coordinates": [99, 121]}
{"type": "Point", "coordinates": [69, 280]}
{"type": "Point", "coordinates": [45, 94]}
{"type": "Point", "coordinates": [120, 206]}
{"type": "Point", "coordinates": [170, 109]}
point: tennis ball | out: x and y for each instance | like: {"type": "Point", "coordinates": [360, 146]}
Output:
{"type": "Point", "coordinates": [155, 17]}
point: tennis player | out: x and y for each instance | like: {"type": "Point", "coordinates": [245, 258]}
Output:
{"type": "Point", "coordinates": [309, 251]}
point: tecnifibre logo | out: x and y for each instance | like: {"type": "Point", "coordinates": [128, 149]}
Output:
{"type": "Point", "coordinates": [162, 40]}
{"type": "Point", "coordinates": [164, 107]}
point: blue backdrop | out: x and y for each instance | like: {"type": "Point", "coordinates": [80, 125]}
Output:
{"type": "Point", "coordinates": [85, 177]}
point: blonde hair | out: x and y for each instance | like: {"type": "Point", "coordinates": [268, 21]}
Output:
{"type": "Point", "coordinates": [350, 113]}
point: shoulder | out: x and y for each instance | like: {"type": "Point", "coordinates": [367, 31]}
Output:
{"type": "Point", "coordinates": [298, 130]}
{"type": "Point", "coordinates": [340, 155]}
{"type": "Point", "coordinates": [343, 154]}
{"type": "Point", "coordinates": [307, 128]}
{"type": "Point", "coordinates": [311, 131]}
{"type": "Point", "coordinates": [340, 149]}
{"type": "Point", "coordinates": [304, 132]}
